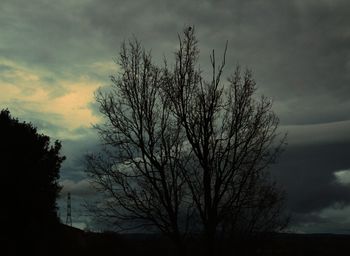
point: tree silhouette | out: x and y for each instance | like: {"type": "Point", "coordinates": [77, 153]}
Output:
{"type": "Point", "coordinates": [233, 140]}
{"type": "Point", "coordinates": [144, 177]}
{"type": "Point", "coordinates": [29, 172]}
{"type": "Point", "coordinates": [186, 154]}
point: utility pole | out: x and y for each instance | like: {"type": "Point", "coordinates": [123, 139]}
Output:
{"type": "Point", "coordinates": [69, 211]}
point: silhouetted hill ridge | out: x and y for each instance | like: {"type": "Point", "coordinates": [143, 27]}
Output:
{"type": "Point", "coordinates": [79, 242]}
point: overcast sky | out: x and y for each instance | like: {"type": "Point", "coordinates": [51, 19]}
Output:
{"type": "Point", "coordinates": [55, 54]}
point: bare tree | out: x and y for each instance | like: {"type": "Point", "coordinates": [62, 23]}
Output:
{"type": "Point", "coordinates": [187, 147]}
{"type": "Point", "coordinates": [233, 138]}
{"type": "Point", "coordinates": [138, 170]}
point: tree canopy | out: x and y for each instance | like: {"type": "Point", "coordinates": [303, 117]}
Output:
{"type": "Point", "coordinates": [29, 172]}
{"type": "Point", "coordinates": [186, 154]}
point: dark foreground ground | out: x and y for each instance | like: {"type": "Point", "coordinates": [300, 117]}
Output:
{"type": "Point", "coordinates": [76, 242]}
{"type": "Point", "coordinates": [82, 243]}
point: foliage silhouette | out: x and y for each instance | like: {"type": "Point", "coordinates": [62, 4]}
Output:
{"type": "Point", "coordinates": [29, 172]}
{"type": "Point", "coordinates": [184, 154]}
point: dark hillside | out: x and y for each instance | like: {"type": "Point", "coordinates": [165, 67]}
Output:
{"type": "Point", "coordinates": [78, 242]}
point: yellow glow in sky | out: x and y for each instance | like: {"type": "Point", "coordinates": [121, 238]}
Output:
{"type": "Point", "coordinates": [24, 90]}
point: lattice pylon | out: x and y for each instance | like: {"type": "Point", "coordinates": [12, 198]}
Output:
{"type": "Point", "coordinates": [69, 211]}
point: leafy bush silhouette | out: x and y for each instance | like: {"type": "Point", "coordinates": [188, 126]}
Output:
{"type": "Point", "coordinates": [29, 172]}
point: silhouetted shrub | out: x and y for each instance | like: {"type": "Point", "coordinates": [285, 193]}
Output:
{"type": "Point", "coordinates": [29, 172]}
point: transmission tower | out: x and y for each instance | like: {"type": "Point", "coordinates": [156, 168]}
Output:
{"type": "Point", "coordinates": [69, 211]}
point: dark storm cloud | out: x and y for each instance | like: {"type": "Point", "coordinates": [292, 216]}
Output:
{"type": "Point", "coordinates": [317, 134]}
{"type": "Point", "coordinates": [50, 35]}
{"type": "Point", "coordinates": [308, 175]}
{"type": "Point", "coordinates": [307, 170]}
{"type": "Point", "coordinates": [298, 50]}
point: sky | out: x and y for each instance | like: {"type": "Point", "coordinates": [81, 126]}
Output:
{"type": "Point", "coordinates": [55, 54]}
